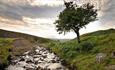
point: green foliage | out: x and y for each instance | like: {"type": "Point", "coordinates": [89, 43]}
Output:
{"type": "Point", "coordinates": [85, 47]}
{"type": "Point", "coordinates": [74, 17]}
{"type": "Point", "coordinates": [83, 55]}
{"type": "Point", "coordinates": [5, 45]}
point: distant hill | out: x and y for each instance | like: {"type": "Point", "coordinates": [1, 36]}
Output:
{"type": "Point", "coordinates": [11, 34]}
{"type": "Point", "coordinates": [100, 32]}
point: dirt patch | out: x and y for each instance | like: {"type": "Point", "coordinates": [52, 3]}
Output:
{"type": "Point", "coordinates": [110, 67]}
{"type": "Point", "coordinates": [20, 46]}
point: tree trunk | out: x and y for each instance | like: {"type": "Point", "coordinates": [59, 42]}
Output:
{"type": "Point", "coordinates": [78, 35]}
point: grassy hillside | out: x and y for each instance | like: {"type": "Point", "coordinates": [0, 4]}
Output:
{"type": "Point", "coordinates": [83, 56]}
{"type": "Point", "coordinates": [31, 38]}
{"type": "Point", "coordinates": [79, 56]}
{"type": "Point", "coordinates": [5, 45]}
{"type": "Point", "coordinates": [14, 43]}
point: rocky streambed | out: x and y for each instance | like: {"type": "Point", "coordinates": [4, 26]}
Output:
{"type": "Point", "coordinates": [38, 58]}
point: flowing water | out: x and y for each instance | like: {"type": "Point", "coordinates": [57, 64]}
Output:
{"type": "Point", "coordinates": [38, 58]}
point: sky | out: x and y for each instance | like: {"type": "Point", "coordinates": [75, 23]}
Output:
{"type": "Point", "coordinates": [36, 17]}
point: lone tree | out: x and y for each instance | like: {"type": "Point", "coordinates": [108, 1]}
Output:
{"type": "Point", "coordinates": [75, 17]}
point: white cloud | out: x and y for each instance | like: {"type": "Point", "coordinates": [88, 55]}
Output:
{"type": "Point", "coordinates": [38, 20]}
{"type": "Point", "coordinates": [47, 2]}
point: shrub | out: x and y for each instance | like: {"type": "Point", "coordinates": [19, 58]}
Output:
{"type": "Point", "coordinates": [85, 47]}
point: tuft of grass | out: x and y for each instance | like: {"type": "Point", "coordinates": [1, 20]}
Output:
{"type": "Point", "coordinates": [5, 45]}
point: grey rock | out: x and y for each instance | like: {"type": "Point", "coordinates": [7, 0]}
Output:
{"type": "Point", "coordinates": [113, 54]}
{"type": "Point", "coordinates": [100, 57]}
{"type": "Point", "coordinates": [11, 67]}
{"type": "Point", "coordinates": [56, 66]}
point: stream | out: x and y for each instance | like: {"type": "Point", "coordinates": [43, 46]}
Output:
{"type": "Point", "coordinates": [39, 58]}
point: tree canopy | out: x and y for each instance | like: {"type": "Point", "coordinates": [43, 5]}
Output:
{"type": "Point", "coordinates": [74, 17]}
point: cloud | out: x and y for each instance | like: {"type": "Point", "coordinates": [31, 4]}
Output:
{"type": "Point", "coordinates": [16, 9]}
{"type": "Point", "coordinates": [22, 16]}
{"type": "Point", "coordinates": [106, 13]}
{"type": "Point", "coordinates": [37, 16]}
{"type": "Point", "coordinates": [109, 9]}
{"type": "Point", "coordinates": [47, 2]}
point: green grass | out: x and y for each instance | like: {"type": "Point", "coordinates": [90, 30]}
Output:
{"type": "Point", "coordinates": [5, 45]}
{"type": "Point", "coordinates": [83, 55]}
{"type": "Point", "coordinates": [7, 40]}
